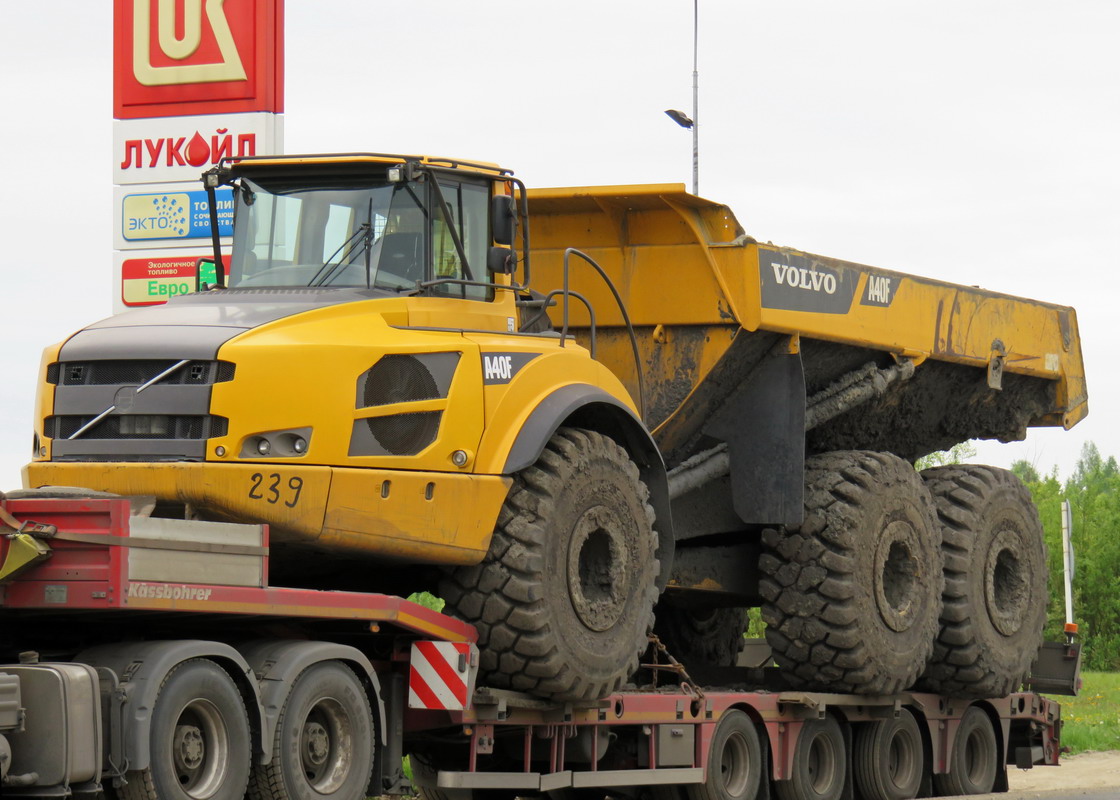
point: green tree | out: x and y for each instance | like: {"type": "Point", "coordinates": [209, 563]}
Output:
{"type": "Point", "coordinates": [957, 454]}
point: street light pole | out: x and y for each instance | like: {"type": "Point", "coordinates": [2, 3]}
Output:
{"type": "Point", "coordinates": [680, 117]}
{"type": "Point", "coordinates": [695, 98]}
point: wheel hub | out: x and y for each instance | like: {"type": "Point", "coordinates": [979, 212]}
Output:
{"type": "Point", "coordinates": [1005, 583]}
{"type": "Point", "coordinates": [190, 748]}
{"type": "Point", "coordinates": [598, 579]}
{"type": "Point", "coordinates": [896, 575]}
{"type": "Point", "coordinates": [316, 744]}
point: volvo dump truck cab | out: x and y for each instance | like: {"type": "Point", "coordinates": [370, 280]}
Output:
{"type": "Point", "coordinates": [686, 413]}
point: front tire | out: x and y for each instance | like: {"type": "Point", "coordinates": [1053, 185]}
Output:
{"type": "Point", "coordinates": [564, 599]}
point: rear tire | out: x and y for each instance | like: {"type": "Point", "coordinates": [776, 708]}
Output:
{"type": "Point", "coordinates": [974, 763]}
{"type": "Point", "coordinates": [563, 601]}
{"type": "Point", "coordinates": [852, 598]}
{"type": "Point", "coordinates": [199, 739]}
{"type": "Point", "coordinates": [820, 763]}
{"type": "Point", "coordinates": [734, 769]}
{"type": "Point", "coordinates": [995, 582]}
{"type": "Point", "coordinates": [888, 758]}
{"type": "Point", "coordinates": [323, 747]}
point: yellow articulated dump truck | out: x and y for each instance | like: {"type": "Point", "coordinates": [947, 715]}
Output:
{"type": "Point", "coordinates": [675, 423]}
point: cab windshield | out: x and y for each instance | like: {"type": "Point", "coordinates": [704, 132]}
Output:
{"type": "Point", "coordinates": [368, 233]}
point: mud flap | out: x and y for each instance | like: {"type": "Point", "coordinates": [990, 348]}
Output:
{"type": "Point", "coordinates": [763, 423]}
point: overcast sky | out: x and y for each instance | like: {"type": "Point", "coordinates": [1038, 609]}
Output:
{"type": "Point", "coordinates": [974, 141]}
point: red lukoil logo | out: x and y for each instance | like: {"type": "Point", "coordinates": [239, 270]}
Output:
{"type": "Point", "coordinates": [190, 57]}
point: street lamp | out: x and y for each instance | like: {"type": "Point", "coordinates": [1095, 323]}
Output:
{"type": "Point", "coordinates": [683, 119]}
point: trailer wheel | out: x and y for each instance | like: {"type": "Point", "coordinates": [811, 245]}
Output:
{"type": "Point", "coordinates": [324, 741]}
{"type": "Point", "coordinates": [734, 761]}
{"type": "Point", "coordinates": [852, 598]}
{"type": "Point", "coordinates": [701, 637]}
{"type": "Point", "coordinates": [820, 763]}
{"type": "Point", "coordinates": [974, 761]}
{"type": "Point", "coordinates": [200, 745]}
{"type": "Point", "coordinates": [564, 599]}
{"type": "Point", "coordinates": [995, 582]}
{"type": "Point", "coordinates": [888, 759]}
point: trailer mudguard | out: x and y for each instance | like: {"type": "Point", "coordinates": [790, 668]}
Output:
{"type": "Point", "coordinates": [141, 668]}
{"type": "Point", "coordinates": [277, 664]}
{"type": "Point", "coordinates": [584, 406]}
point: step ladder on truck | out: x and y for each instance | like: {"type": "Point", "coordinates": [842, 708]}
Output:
{"type": "Point", "coordinates": [151, 659]}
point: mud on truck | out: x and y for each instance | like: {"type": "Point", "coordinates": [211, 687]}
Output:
{"type": "Point", "coordinates": [689, 423]}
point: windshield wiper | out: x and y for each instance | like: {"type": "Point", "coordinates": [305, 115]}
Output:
{"type": "Point", "coordinates": [363, 233]}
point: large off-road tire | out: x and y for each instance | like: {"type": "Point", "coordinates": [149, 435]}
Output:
{"type": "Point", "coordinates": [564, 599]}
{"type": "Point", "coordinates": [701, 637]}
{"type": "Point", "coordinates": [995, 582]}
{"type": "Point", "coordinates": [852, 598]}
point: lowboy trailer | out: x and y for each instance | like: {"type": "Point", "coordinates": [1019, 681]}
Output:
{"type": "Point", "coordinates": [150, 659]}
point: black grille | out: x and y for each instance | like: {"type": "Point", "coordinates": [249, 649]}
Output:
{"type": "Point", "coordinates": [138, 426]}
{"type": "Point", "coordinates": [138, 372]}
{"type": "Point", "coordinates": [398, 379]}
{"type": "Point", "coordinates": [405, 434]}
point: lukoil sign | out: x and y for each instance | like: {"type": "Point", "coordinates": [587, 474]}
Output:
{"type": "Point", "coordinates": [175, 57]}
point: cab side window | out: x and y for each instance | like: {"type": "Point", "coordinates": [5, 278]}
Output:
{"type": "Point", "coordinates": [469, 207]}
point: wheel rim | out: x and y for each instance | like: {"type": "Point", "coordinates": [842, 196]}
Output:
{"type": "Point", "coordinates": [902, 758]}
{"type": "Point", "coordinates": [734, 765]}
{"type": "Point", "coordinates": [896, 575]}
{"type": "Point", "coordinates": [598, 578]}
{"type": "Point", "coordinates": [822, 763]}
{"type": "Point", "coordinates": [326, 746]}
{"type": "Point", "coordinates": [1005, 583]}
{"type": "Point", "coordinates": [976, 757]}
{"type": "Point", "coordinates": [200, 749]}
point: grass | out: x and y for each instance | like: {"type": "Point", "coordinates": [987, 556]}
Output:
{"type": "Point", "coordinates": [1092, 719]}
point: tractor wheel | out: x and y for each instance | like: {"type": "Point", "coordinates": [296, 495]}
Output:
{"type": "Point", "coordinates": [995, 582]}
{"type": "Point", "coordinates": [324, 740]}
{"type": "Point", "coordinates": [563, 600]}
{"type": "Point", "coordinates": [200, 743]}
{"type": "Point", "coordinates": [852, 598]}
{"type": "Point", "coordinates": [701, 637]}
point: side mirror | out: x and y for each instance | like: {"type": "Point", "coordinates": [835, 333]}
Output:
{"type": "Point", "coordinates": [503, 218]}
{"type": "Point", "coordinates": [501, 260]}
{"type": "Point", "coordinates": [205, 273]}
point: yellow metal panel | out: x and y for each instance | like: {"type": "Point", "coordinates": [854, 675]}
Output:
{"type": "Point", "coordinates": [416, 516]}
{"type": "Point", "coordinates": [44, 397]}
{"type": "Point", "coordinates": [342, 509]}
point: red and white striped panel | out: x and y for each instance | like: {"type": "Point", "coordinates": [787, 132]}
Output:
{"type": "Point", "coordinates": [441, 675]}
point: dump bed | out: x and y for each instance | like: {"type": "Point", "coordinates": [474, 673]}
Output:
{"type": "Point", "coordinates": [709, 302]}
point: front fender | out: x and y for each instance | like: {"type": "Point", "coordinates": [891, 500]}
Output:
{"type": "Point", "coordinates": [582, 406]}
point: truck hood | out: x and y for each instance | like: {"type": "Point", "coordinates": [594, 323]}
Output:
{"type": "Point", "coordinates": [195, 326]}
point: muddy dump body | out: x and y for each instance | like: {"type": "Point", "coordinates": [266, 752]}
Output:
{"type": "Point", "coordinates": [938, 363]}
